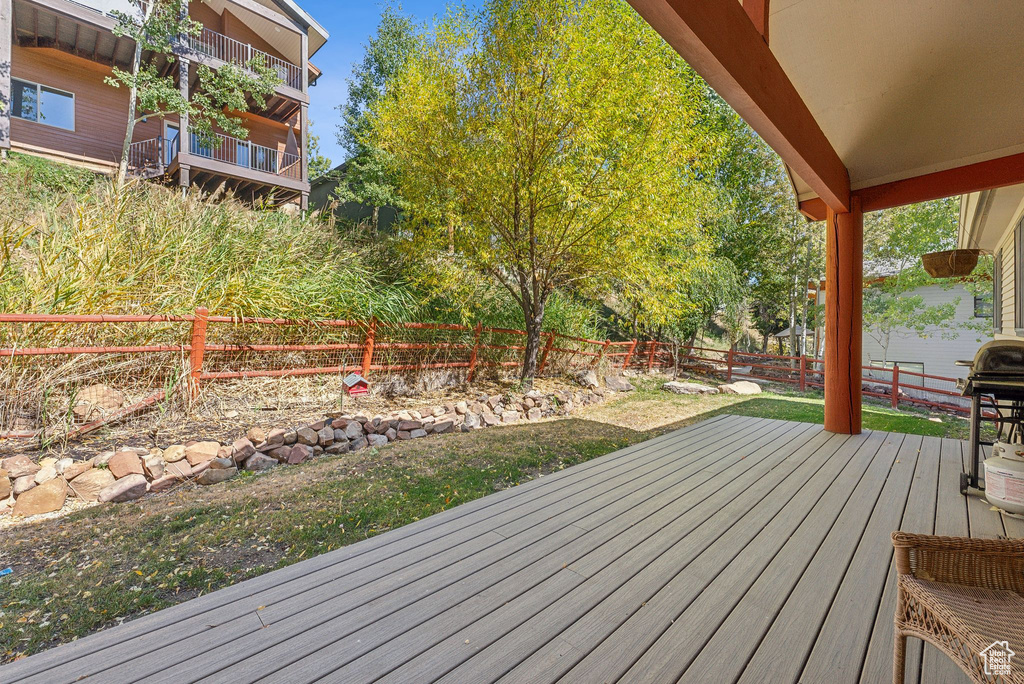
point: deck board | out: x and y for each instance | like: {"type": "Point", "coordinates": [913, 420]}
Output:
{"type": "Point", "coordinates": [736, 549]}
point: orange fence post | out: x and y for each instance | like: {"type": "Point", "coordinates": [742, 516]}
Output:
{"type": "Point", "coordinates": [629, 355]}
{"type": "Point", "coordinates": [600, 356]}
{"type": "Point", "coordinates": [650, 356]}
{"type": "Point", "coordinates": [896, 385]}
{"type": "Point", "coordinates": [198, 351]}
{"type": "Point", "coordinates": [371, 334]}
{"type": "Point", "coordinates": [544, 355]}
{"type": "Point", "coordinates": [803, 372]}
{"type": "Point", "coordinates": [476, 351]}
{"type": "Point", "coordinates": [729, 362]}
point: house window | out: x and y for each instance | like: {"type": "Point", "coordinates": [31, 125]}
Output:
{"type": "Point", "coordinates": [982, 307]}
{"type": "Point", "coordinates": [42, 104]}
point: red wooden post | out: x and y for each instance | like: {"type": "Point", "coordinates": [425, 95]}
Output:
{"type": "Point", "coordinates": [195, 358]}
{"type": "Point", "coordinates": [544, 355]}
{"type": "Point", "coordinates": [650, 357]}
{"type": "Point", "coordinates": [896, 385]}
{"type": "Point", "coordinates": [371, 334]}
{"type": "Point", "coordinates": [476, 351]}
{"type": "Point", "coordinates": [629, 355]}
{"type": "Point", "coordinates": [803, 373]}
{"type": "Point", "coordinates": [728, 374]}
{"type": "Point", "coordinates": [844, 274]}
{"type": "Point", "coordinates": [604, 348]}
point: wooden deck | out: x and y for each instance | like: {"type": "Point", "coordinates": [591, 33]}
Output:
{"type": "Point", "coordinates": [737, 549]}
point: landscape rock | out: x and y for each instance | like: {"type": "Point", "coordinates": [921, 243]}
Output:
{"type": "Point", "coordinates": [306, 436]}
{"type": "Point", "coordinates": [618, 384]}
{"type": "Point", "coordinates": [357, 444]}
{"type": "Point", "coordinates": [587, 378]}
{"type": "Point", "coordinates": [23, 484]}
{"type": "Point", "coordinates": [404, 434]}
{"type": "Point", "coordinates": [201, 452]}
{"type": "Point", "coordinates": [688, 388]}
{"type": "Point", "coordinates": [129, 488]}
{"type": "Point", "coordinates": [326, 436]}
{"type": "Point", "coordinates": [461, 408]}
{"type": "Point", "coordinates": [509, 416]}
{"type": "Point", "coordinates": [104, 458]}
{"type": "Point", "coordinates": [533, 414]}
{"type": "Point", "coordinates": [45, 475]}
{"type": "Point", "coordinates": [63, 463]}
{"type": "Point", "coordinates": [281, 453]}
{"type": "Point", "coordinates": [493, 401]}
{"type": "Point", "coordinates": [5, 485]}
{"type": "Point", "coordinates": [165, 482]}
{"type": "Point", "coordinates": [354, 430]}
{"type": "Point", "coordinates": [443, 426]}
{"type": "Point", "coordinates": [74, 470]}
{"type": "Point", "coordinates": [299, 453]}
{"type": "Point", "coordinates": [46, 498]}
{"type": "Point", "coordinates": [154, 467]}
{"type": "Point", "coordinates": [89, 484]}
{"type": "Point", "coordinates": [217, 475]}
{"type": "Point", "coordinates": [222, 464]}
{"type": "Point", "coordinates": [290, 437]}
{"type": "Point", "coordinates": [377, 440]}
{"type": "Point", "coordinates": [259, 461]}
{"type": "Point", "coordinates": [93, 401]}
{"type": "Point", "coordinates": [19, 466]}
{"type": "Point", "coordinates": [337, 448]}
{"type": "Point", "coordinates": [179, 470]}
{"type": "Point", "coordinates": [173, 454]}
{"type": "Point", "coordinates": [472, 421]}
{"type": "Point", "coordinates": [417, 434]}
{"type": "Point", "coordinates": [740, 387]}
{"type": "Point", "coordinates": [256, 435]}
{"type": "Point", "coordinates": [391, 434]}
{"type": "Point", "coordinates": [275, 438]}
{"type": "Point", "coordinates": [242, 449]}
{"type": "Point", "coordinates": [125, 463]}
{"type": "Point", "coordinates": [489, 419]}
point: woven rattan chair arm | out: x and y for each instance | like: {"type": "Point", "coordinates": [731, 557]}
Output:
{"type": "Point", "coordinates": [992, 563]}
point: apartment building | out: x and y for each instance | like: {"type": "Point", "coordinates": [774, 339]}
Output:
{"type": "Point", "coordinates": [55, 55]}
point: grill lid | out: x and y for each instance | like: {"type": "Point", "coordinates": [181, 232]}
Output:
{"type": "Point", "coordinates": [1002, 357]}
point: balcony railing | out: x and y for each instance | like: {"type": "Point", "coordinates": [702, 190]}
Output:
{"type": "Point", "coordinates": [150, 158]}
{"type": "Point", "coordinates": [248, 155]}
{"type": "Point", "coordinates": [226, 49]}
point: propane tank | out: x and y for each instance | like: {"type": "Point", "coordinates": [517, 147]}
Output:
{"type": "Point", "coordinates": [1004, 477]}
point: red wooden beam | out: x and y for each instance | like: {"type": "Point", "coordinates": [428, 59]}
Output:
{"type": "Point", "coordinates": [986, 175]}
{"type": "Point", "coordinates": [814, 209]}
{"type": "Point", "coordinates": [717, 38]}
{"type": "Point", "coordinates": [757, 10]}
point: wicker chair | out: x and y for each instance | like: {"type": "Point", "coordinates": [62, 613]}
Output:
{"type": "Point", "coordinates": [960, 595]}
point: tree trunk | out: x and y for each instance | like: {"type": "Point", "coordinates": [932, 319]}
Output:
{"type": "Point", "coordinates": [133, 96]}
{"type": "Point", "coordinates": [534, 324]}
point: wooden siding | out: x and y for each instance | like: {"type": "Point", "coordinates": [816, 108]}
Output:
{"type": "Point", "coordinates": [736, 549]}
{"type": "Point", "coordinates": [1009, 280]}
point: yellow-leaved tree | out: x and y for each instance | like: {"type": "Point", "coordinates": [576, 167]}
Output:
{"type": "Point", "coordinates": [549, 144]}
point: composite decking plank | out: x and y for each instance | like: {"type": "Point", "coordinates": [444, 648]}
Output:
{"type": "Point", "coordinates": [632, 561]}
{"type": "Point", "coordinates": [951, 519]}
{"type": "Point", "coordinates": [197, 609]}
{"type": "Point", "coordinates": [667, 582]}
{"type": "Point", "coordinates": [412, 642]}
{"type": "Point", "coordinates": [708, 584]}
{"type": "Point", "coordinates": [622, 557]}
{"type": "Point", "coordinates": [739, 635]}
{"type": "Point", "coordinates": [233, 622]}
{"type": "Point", "coordinates": [838, 651]}
{"type": "Point", "coordinates": [333, 620]}
{"type": "Point", "coordinates": [919, 518]}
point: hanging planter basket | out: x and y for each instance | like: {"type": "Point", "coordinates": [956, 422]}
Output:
{"type": "Point", "coordinates": [956, 263]}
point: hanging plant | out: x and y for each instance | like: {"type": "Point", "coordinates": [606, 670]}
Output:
{"type": "Point", "coordinates": [954, 263]}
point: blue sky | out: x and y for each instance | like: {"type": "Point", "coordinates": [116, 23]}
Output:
{"type": "Point", "coordinates": [351, 23]}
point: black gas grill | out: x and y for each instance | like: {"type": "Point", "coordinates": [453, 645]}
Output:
{"type": "Point", "coordinates": [996, 388]}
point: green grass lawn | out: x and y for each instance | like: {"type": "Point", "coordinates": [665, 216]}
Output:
{"type": "Point", "coordinates": [99, 566]}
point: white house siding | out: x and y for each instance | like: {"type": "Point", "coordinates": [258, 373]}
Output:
{"type": "Point", "coordinates": [936, 353]}
{"type": "Point", "coordinates": [1006, 251]}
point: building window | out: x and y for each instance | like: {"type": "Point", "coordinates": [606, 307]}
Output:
{"type": "Point", "coordinates": [42, 104]}
{"type": "Point", "coordinates": [982, 307]}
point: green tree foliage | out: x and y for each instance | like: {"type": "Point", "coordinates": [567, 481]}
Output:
{"type": "Point", "coordinates": [368, 176]}
{"type": "Point", "coordinates": [162, 28]}
{"type": "Point", "coordinates": [894, 241]}
{"type": "Point", "coordinates": [319, 164]}
{"type": "Point", "coordinates": [549, 145]}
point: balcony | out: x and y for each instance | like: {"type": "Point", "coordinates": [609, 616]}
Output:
{"type": "Point", "coordinates": [223, 157]}
{"type": "Point", "coordinates": [221, 47]}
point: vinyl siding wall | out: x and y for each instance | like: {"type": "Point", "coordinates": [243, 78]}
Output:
{"type": "Point", "coordinates": [937, 354]}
